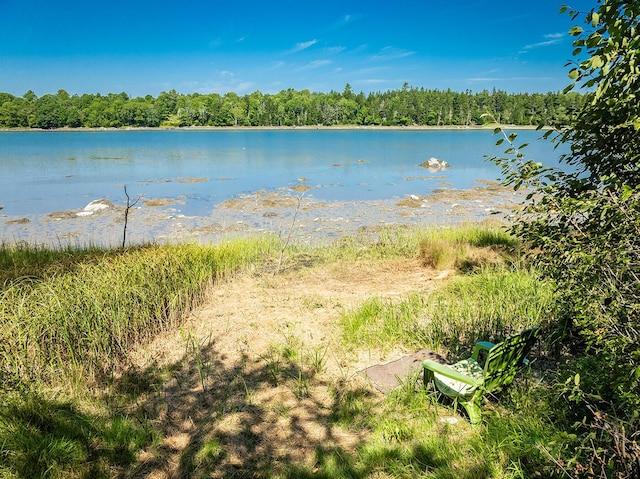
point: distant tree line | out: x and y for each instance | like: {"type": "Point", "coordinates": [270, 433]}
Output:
{"type": "Point", "coordinates": [404, 107]}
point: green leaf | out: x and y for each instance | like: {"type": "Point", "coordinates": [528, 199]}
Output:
{"type": "Point", "coordinates": [573, 74]}
{"type": "Point", "coordinates": [597, 62]}
{"type": "Point", "coordinates": [575, 31]}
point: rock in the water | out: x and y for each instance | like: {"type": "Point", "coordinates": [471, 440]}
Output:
{"type": "Point", "coordinates": [435, 164]}
{"type": "Point", "coordinates": [94, 206]}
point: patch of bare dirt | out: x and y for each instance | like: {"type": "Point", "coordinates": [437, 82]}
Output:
{"type": "Point", "coordinates": [257, 370]}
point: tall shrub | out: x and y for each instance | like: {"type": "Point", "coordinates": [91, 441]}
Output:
{"type": "Point", "coordinates": [583, 224]}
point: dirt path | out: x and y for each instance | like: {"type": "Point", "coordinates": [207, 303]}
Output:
{"type": "Point", "coordinates": [256, 372]}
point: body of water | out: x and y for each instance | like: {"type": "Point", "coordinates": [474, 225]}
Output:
{"type": "Point", "coordinates": [43, 172]}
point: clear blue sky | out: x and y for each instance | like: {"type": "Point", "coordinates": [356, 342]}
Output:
{"type": "Point", "coordinates": [204, 46]}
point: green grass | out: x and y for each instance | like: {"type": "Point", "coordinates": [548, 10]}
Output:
{"type": "Point", "coordinates": [68, 317]}
{"type": "Point", "coordinates": [407, 439]}
{"type": "Point", "coordinates": [497, 297]}
{"type": "Point", "coordinates": [380, 323]}
{"type": "Point", "coordinates": [488, 306]}
{"type": "Point", "coordinates": [467, 248]}
{"type": "Point", "coordinates": [82, 315]}
{"type": "Point", "coordinates": [24, 262]}
{"type": "Point", "coordinates": [44, 438]}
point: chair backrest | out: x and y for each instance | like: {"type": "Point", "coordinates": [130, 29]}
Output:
{"type": "Point", "coordinates": [505, 359]}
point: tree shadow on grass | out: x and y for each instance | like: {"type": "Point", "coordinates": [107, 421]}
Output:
{"type": "Point", "coordinates": [245, 417]}
{"type": "Point", "coordinates": [47, 438]}
{"type": "Point", "coordinates": [208, 415]}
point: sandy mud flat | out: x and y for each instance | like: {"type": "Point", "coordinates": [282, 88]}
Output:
{"type": "Point", "coordinates": [289, 213]}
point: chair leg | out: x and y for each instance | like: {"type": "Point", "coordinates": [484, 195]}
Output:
{"type": "Point", "coordinates": [474, 409]}
{"type": "Point", "coordinates": [427, 377]}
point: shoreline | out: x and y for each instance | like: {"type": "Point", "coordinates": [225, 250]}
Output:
{"type": "Point", "coordinates": [303, 127]}
{"type": "Point", "coordinates": [302, 219]}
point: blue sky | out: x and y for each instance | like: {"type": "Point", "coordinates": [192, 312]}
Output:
{"type": "Point", "coordinates": [205, 46]}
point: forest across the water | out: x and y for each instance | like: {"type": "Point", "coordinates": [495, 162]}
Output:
{"type": "Point", "coordinates": [404, 107]}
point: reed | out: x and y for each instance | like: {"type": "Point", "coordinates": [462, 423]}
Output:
{"type": "Point", "coordinates": [467, 247]}
{"type": "Point", "coordinates": [24, 261]}
{"type": "Point", "coordinates": [487, 306]}
{"type": "Point", "coordinates": [85, 313]}
{"type": "Point", "coordinates": [383, 323]}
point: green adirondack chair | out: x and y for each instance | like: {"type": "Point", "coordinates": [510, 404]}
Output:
{"type": "Point", "coordinates": [467, 381]}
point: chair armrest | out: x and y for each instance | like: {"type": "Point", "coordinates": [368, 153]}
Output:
{"type": "Point", "coordinates": [449, 372]}
{"type": "Point", "coordinates": [481, 346]}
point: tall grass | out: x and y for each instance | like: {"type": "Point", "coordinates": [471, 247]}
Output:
{"type": "Point", "coordinates": [486, 306]}
{"type": "Point", "coordinates": [382, 323]}
{"type": "Point", "coordinates": [373, 243]}
{"type": "Point", "coordinates": [498, 296]}
{"type": "Point", "coordinates": [467, 247]}
{"type": "Point", "coordinates": [21, 261]}
{"type": "Point", "coordinates": [86, 314]}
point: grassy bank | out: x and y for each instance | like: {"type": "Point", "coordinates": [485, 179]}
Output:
{"type": "Point", "coordinates": [78, 312]}
{"type": "Point", "coordinates": [72, 405]}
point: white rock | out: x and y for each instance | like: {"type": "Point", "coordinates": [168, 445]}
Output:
{"type": "Point", "coordinates": [435, 164]}
{"type": "Point", "coordinates": [98, 205]}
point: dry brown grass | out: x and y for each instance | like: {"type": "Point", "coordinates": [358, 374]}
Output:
{"type": "Point", "coordinates": [249, 327]}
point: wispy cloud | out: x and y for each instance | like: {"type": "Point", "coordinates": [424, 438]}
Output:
{"type": "Point", "coordinates": [219, 86]}
{"type": "Point", "coordinates": [333, 50]}
{"type": "Point", "coordinates": [372, 81]}
{"type": "Point", "coordinates": [314, 64]}
{"type": "Point", "coordinates": [370, 72]}
{"type": "Point", "coordinates": [500, 79]}
{"type": "Point", "coordinates": [551, 39]}
{"type": "Point", "coordinates": [274, 66]}
{"type": "Point", "coordinates": [345, 20]}
{"type": "Point", "coordinates": [391, 53]}
{"type": "Point", "coordinates": [303, 46]}
{"type": "Point", "coordinates": [244, 86]}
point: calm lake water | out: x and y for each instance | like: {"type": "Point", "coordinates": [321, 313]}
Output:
{"type": "Point", "coordinates": [43, 172]}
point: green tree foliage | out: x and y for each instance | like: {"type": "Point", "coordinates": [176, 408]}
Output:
{"type": "Point", "coordinates": [404, 107]}
{"type": "Point", "coordinates": [584, 225]}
